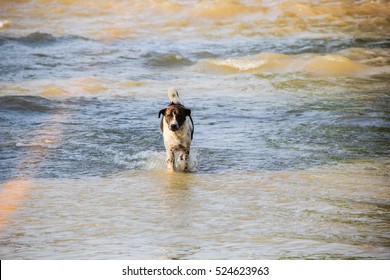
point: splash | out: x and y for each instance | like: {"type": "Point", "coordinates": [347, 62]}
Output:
{"type": "Point", "coordinates": [155, 161]}
{"type": "Point", "coordinates": [192, 164]}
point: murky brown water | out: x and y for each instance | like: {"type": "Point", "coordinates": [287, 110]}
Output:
{"type": "Point", "coordinates": [332, 212]}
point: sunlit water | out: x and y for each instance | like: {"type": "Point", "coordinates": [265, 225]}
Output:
{"type": "Point", "coordinates": [290, 157]}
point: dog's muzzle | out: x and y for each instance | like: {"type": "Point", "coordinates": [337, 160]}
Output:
{"type": "Point", "coordinates": [173, 127]}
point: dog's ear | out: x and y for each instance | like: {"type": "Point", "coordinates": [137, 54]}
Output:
{"type": "Point", "coordinates": [187, 112]}
{"type": "Point", "coordinates": [162, 111]}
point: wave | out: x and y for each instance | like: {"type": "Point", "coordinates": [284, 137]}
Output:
{"type": "Point", "coordinates": [116, 19]}
{"type": "Point", "coordinates": [315, 46]}
{"type": "Point", "coordinates": [39, 39]}
{"type": "Point", "coordinates": [318, 64]}
{"type": "Point", "coordinates": [26, 103]}
{"type": "Point", "coordinates": [167, 59]}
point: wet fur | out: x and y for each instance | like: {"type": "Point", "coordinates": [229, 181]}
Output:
{"type": "Point", "coordinates": [178, 129]}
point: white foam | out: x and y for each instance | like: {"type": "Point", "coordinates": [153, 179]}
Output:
{"type": "Point", "coordinates": [149, 160]}
{"type": "Point", "coordinates": [153, 160]}
{"type": "Point", "coordinates": [192, 164]}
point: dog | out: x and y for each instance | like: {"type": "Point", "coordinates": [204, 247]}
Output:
{"type": "Point", "coordinates": [177, 128]}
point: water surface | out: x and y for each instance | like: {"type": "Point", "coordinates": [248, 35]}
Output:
{"type": "Point", "coordinates": [290, 157]}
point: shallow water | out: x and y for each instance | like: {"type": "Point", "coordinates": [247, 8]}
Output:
{"type": "Point", "coordinates": [290, 156]}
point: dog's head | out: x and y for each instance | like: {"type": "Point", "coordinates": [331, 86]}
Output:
{"type": "Point", "coordinates": [175, 115]}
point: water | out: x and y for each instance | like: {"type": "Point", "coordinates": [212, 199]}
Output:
{"type": "Point", "coordinates": [290, 155]}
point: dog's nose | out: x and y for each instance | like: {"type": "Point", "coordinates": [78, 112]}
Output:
{"type": "Point", "coordinates": [173, 127]}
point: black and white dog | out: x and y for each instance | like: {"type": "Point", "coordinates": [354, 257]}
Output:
{"type": "Point", "coordinates": [178, 129]}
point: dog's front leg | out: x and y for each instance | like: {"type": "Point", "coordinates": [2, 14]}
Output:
{"type": "Point", "coordinates": [185, 154]}
{"type": "Point", "coordinates": [170, 158]}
